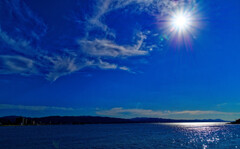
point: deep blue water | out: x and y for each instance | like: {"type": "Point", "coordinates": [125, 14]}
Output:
{"type": "Point", "coordinates": [181, 135]}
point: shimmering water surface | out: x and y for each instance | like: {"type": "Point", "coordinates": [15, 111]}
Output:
{"type": "Point", "coordinates": [174, 135]}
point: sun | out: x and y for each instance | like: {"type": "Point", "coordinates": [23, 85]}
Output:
{"type": "Point", "coordinates": [181, 21]}
{"type": "Point", "coordinates": [181, 26]}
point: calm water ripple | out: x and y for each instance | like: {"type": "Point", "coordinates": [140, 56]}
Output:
{"type": "Point", "coordinates": [167, 136]}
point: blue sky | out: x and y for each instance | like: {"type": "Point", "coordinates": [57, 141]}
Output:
{"type": "Point", "coordinates": [119, 58]}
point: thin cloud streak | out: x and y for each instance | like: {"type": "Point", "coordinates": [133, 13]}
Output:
{"type": "Point", "coordinates": [151, 113]}
{"type": "Point", "coordinates": [106, 48]}
{"type": "Point", "coordinates": [32, 108]}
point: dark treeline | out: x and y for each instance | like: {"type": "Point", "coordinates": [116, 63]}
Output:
{"type": "Point", "coordinates": [236, 122]}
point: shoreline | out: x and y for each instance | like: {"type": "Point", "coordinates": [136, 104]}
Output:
{"type": "Point", "coordinates": [115, 123]}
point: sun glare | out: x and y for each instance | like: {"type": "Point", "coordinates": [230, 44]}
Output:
{"type": "Point", "coordinates": [180, 26]}
{"type": "Point", "coordinates": [181, 21]}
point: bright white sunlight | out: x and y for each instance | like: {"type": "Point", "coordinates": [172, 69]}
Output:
{"type": "Point", "coordinates": [181, 22]}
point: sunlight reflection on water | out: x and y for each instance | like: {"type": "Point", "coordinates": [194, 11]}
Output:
{"type": "Point", "coordinates": [203, 132]}
{"type": "Point", "coordinates": [195, 124]}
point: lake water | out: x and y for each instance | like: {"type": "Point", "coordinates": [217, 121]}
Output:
{"type": "Point", "coordinates": [166, 136]}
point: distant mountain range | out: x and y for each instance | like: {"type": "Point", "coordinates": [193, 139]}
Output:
{"type": "Point", "coordinates": [58, 120]}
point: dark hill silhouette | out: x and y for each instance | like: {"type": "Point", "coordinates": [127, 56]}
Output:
{"type": "Point", "coordinates": [58, 120]}
{"type": "Point", "coordinates": [236, 122]}
{"type": "Point", "coordinates": [152, 120]}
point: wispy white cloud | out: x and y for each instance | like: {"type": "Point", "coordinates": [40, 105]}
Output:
{"type": "Point", "coordinates": [27, 60]}
{"type": "Point", "coordinates": [162, 7]}
{"type": "Point", "coordinates": [121, 112]}
{"type": "Point", "coordinates": [24, 59]}
{"type": "Point", "coordinates": [198, 112]}
{"type": "Point", "coordinates": [107, 48]}
{"type": "Point", "coordinates": [17, 64]}
{"type": "Point", "coordinates": [32, 108]}
{"type": "Point", "coordinates": [19, 55]}
{"type": "Point", "coordinates": [129, 112]}
{"type": "Point", "coordinates": [125, 68]}
{"type": "Point", "coordinates": [26, 22]}
{"type": "Point", "coordinates": [105, 65]}
{"type": "Point", "coordinates": [221, 104]}
{"type": "Point", "coordinates": [19, 45]}
{"type": "Point", "coordinates": [101, 8]}
{"type": "Point", "coordinates": [63, 66]}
